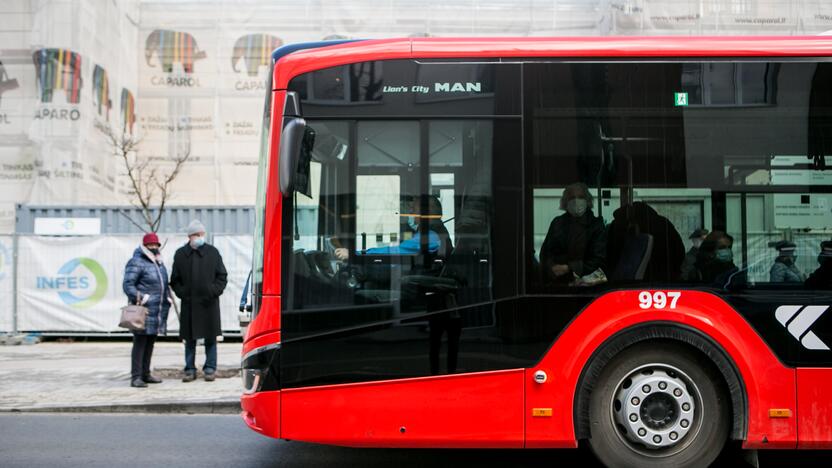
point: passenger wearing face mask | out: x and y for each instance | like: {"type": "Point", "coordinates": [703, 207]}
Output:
{"type": "Point", "coordinates": [715, 262]}
{"type": "Point", "coordinates": [198, 279]}
{"type": "Point", "coordinates": [146, 283]}
{"type": "Point", "coordinates": [688, 268]}
{"type": "Point", "coordinates": [784, 269]}
{"type": "Point", "coordinates": [822, 277]}
{"type": "Point", "coordinates": [575, 245]}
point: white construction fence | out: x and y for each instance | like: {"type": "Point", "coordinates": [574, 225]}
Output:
{"type": "Point", "coordinates": [73, 285]}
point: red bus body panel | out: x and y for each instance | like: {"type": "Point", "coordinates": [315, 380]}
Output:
{"type": "Point", "coordinates": [261, 412]}
{"type": "Point", "coordinates": [651, 46]}
{"type": "Point", "coordinates": [453, 411]}
{"type": "Point", "coordinates": [267, 320]}
{"type": "Point", "coordinates": [768, 383]}
{"type": "Point", "coordinates": [814, 408]}
{"type": "Point", "coordinates": [535, 47]}
{"type": "Point", "coordinates": [274, 204]}
{"type": "Point", "coordinates": [260, 341]}
{"type": "Point", "coordinates": [268, 316]}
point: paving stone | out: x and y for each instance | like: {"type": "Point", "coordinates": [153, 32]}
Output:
{"type": "Point", "coordinates": [97, 374]}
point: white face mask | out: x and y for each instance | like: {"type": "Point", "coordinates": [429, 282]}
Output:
{"type": "Point", "coordinates": [576, 207]}
{"type": "Point", "coordinates": [697, 243]}
{"type": "Point", "coordinates": [411, 221]}
{"type": "Point", "coordinates": [198, 242]}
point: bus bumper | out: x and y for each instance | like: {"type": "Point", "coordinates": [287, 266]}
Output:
{"type": "Point", "coordinates": [261, 412]}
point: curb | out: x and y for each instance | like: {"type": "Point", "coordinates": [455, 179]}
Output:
{"type": "Point", "coordinates": [194, 407]}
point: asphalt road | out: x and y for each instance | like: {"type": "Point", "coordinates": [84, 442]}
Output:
{"type": "Point", "coordinates": [89, 440]}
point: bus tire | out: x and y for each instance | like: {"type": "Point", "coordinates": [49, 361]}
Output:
{"type": "Point", "coordinates": [659, 404]}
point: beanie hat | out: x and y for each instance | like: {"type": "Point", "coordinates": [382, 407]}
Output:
{"type": "Point", "coordinates": [195, 227]}
{"type": "Point", "coordinates": [150, 238]}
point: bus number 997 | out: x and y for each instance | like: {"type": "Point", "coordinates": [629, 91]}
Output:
{"type": "Point", "coordinates": [658, 299]}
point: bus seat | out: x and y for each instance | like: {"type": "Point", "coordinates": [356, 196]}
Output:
{"type": "Point", "coordinates": [635, 256]}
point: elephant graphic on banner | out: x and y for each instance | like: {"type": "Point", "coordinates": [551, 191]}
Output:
{"type": "Point", "coordinates": [6, 83]}
{"type": "Point", "coordinates": [256, 50]}
{"type": "Point", "coordinates": [128, 110]}
{"type": "Point", "coordinates": [171, 47]}
{"type": "Point", "coordinates": [58, 69]}
{"type": "Point", "coordinates": [101, 91]}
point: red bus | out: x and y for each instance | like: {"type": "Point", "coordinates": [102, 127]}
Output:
{"type": "Point", "coordinates": [527, 243]}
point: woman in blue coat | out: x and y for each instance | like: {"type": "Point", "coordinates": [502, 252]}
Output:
{"type": "Point", "coordinates": [146, 283]}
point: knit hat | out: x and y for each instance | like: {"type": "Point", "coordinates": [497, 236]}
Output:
{"type": "Point", "coordinates": [195, 227]}
{"type": "Point", "coordinates": [150, 238]}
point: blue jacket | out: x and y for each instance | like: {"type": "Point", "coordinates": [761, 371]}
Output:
{"type": "Point", "coordinates": [785, 273]}
{"type": "Point", "coordinates": [142, 275]}
{"type": "Point", "coordinates": [411, 246]}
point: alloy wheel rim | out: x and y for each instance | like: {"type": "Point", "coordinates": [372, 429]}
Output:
{"type": "Point", "coordinates": [656, 410]}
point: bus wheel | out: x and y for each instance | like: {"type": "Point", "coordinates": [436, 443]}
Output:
{"type": "Point", "coordinates": [656, 404]}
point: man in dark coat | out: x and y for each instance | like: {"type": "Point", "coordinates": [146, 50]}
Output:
{"type": "Point", "coordinates": [199, 278]}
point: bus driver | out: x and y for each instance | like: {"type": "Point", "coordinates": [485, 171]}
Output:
{"type": "Point", "coordinates": [438, 242]}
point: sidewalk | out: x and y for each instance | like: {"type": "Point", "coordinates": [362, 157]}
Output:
{"type": "Point", "coordinates": [95, 376]}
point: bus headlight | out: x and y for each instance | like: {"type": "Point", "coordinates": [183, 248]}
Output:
{"type": "Point", "coordinates": [259, 369]}
{"type": "Point", "coordinates": [253, 380]}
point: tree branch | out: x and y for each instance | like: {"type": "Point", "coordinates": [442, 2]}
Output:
{"type": "Point", "coordinates": [147, 182]}
{"type": "Point", "coordinates": [141, 228]}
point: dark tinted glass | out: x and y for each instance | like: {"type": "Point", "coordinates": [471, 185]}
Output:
{"type": "Point", "coordinates": [399, 221]}
{"type": "Point", "coordinates": [660, 150]}
{"type": "Point", "coordinates": [407, 88]}
{"type": "Point", "coordinates": [398, 244]}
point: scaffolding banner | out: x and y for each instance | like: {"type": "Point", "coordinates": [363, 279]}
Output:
{"type": "Point", "coordinates": [67, 74]}
{"type": "Point", "coordinates": [74, 284]}
{"type": "Point", "coordinates": [6, 284]}
{"type": "Point", "coordinates": [190, 77]}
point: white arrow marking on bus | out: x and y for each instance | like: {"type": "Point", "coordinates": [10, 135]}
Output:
{"type": "Point", "coordinates": [799, 325]}
{"type": "Point", "coordinates": [811, 341]}
{"type": "Point", "coordinates": [786, 312]}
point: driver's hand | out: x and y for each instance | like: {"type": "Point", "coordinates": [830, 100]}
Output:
{"type": "Point", "coordinates": [342, 254]}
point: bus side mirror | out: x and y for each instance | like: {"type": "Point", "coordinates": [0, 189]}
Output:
{"type": "Point", "coordinates": [291, 142]}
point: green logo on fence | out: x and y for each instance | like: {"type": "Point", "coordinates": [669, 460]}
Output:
{"type": "Point", "coordinates": [74, 286]}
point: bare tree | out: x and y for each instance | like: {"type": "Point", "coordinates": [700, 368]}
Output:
{"type": "Point", "coordinates": [150, 184]}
